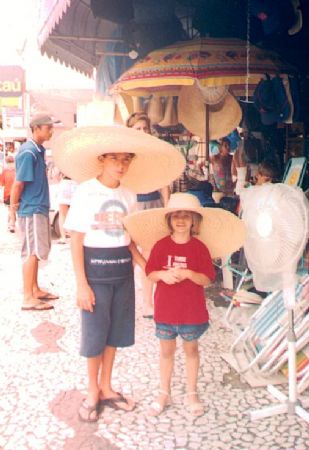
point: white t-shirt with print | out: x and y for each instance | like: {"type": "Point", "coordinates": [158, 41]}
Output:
{"type": "Point", "coordinates": [97, 211]}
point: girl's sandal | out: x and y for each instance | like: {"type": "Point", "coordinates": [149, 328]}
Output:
{"type": "Point", "coordinates": [156, 408]}
{"type": "Point", "coordinates": [195, 408]}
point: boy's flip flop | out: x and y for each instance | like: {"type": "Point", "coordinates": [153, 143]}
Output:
{"type": "Point", "coordinates": [115, 402]}
{"type": "Point", "coordinates": [41, 306]}
{"type": "Point", "coordinates": [88, 410]}
{"type": "Point", "coordinates": [48, 296]}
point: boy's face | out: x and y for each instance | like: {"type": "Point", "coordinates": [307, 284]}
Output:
{"type": "Point", "coordinates": [44, 132]}
{"type": "Point", "coordinates": [116, 165]}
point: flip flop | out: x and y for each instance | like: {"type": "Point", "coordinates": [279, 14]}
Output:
{"type": "Point", "coordinates": [115, 401]}
{"type": "Point", "coordinates": [48, 296]}
{"type": "Point", "coordinates": [88, 409]}
{"type": "Point", "coordinates": [41, 306]}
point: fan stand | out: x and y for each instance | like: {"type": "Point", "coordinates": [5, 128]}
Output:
{"type": "Point", "coordinates": [292, 404]}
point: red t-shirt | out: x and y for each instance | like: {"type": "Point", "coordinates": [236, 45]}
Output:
{"type": "Point", "coordinates": [182, 303]}
{"type": "Point", "coordinates": [7, 179]}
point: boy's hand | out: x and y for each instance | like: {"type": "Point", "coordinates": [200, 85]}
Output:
{"type": "Point", "coordinates": [85, 298]}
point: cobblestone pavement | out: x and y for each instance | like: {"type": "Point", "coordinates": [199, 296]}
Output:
{"type": "Point", "coordinates": [43, 379]}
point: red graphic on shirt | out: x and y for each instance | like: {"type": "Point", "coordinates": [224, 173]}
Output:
{"type": "Point", "coordinates": [176, 261]}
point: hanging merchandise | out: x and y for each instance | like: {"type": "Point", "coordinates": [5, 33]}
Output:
{"type": "Point", "coordinates": [170, 118]}
{"type": "Point", "coordinates": [155, 109]}
{"type": "Point", "coordinates": [271, 101]}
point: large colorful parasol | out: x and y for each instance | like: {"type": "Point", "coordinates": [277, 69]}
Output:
{"type": "Point", "coordinates": [211, 61]}
{"type": "Point", "coordinates": [204, 63]}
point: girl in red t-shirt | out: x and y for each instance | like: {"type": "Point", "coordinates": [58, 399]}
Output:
{"type": "Point", "coordinates": [181, 266]}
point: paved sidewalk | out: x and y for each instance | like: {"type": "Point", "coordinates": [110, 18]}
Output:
{"type": "Point", "coordinates": [43, 379]}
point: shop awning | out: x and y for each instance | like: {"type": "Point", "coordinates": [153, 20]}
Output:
{"type": "Point", "coordinates": [69, 32]}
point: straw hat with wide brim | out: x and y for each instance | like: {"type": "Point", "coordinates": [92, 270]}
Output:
{"type": "Point", "coordinates": [224, 116]}
{"type": "Point", "coordinates": [156, 163]}
{"type": "Point", "coordinates": [221, 231]}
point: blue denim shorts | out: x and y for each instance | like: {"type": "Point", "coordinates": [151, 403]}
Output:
{"type": "Point", "coordinates": [186, 332]}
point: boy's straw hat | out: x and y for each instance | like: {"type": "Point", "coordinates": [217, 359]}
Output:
{"type": "Point", "coordinates": [155, 165]}
{"type": "Point", "coordinates": [221, 231]}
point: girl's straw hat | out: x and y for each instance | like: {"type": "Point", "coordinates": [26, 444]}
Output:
{"type": "Point", "coordinates": [156, 163]}
{"type": "Point", "coordinates": [221, 231]}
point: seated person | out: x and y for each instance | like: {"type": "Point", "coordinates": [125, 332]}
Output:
{"type": "Point", "coordinates": [203, 191]}
{"type": "Point", "coordinates": [267, 172]}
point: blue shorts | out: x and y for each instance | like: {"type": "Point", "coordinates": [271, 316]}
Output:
{"type": "Point", "coordinates": [186, 332]}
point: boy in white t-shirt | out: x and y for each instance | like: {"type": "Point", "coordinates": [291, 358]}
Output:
{"type": "Point", "coordinates": [102, 250]}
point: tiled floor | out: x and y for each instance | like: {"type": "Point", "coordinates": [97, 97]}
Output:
{"type": "Point", "coordinates": [43, 379]}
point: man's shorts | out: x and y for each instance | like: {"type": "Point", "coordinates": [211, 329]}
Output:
{"type": "Point", "coordinates": [35, 235]}
{"type": "Point", "coordinates": [186, 332]}
{"type": "Point", "coordinates": [112, 321]}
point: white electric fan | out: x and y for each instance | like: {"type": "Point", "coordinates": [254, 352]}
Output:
{"type": "Point", "coordinates": [277, 222]}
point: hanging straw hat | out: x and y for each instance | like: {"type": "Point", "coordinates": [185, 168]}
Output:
{"type": "Point", "coordinates": [155, 109]}
{"type": "Point", "coordinates": [170, 114]}
{"type": "Point", "coordinates": [224, 117]}
{"type": "Point", "coordinates": [212, 94]}
{"type": "Point", "coordinates": [221, 231]}
{"type": "Point", "coordinates": [156, 163]}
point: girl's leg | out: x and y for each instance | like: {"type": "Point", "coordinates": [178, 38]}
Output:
{"type": "Point", "coordinates": [192, 369]}
{"type": "Point", "coordinates": [63, 211]}
{"type": "Point", "coordinates": [167, 354]}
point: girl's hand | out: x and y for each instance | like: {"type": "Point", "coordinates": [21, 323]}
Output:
{"type": "Point", "coordinates": [182, 274]}
{"type": "Point", "coordinates": [169, 276]}
{"type": "Point", "coordinates": [85, 298]}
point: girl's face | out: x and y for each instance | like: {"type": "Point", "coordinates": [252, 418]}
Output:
{"type": "Point", "coordinates": [141, 125]}
{"type": "Point", "coordinates": [115, 165]}
{"type": "Point", "coordinates": [181, 222]}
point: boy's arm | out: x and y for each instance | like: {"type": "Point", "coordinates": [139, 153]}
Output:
{"type": "Point", "coordinates": [16, 191]}
{"type": "Point", "coordinates": [85, 296]}
{"type": "Point", "coordinates": [137, 256]}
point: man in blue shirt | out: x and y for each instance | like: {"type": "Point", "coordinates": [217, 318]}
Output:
{"type": "Point", "coordinates": [30, 199]}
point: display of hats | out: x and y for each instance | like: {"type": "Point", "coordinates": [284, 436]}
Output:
{"type": "Point", "coordinates": [156, 162]}
{"type": "Point", "coordinates": [170, 118]}
{"type": "Point", "coordinates": [155, 109]}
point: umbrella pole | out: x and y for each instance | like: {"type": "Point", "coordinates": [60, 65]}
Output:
{"type": "Point", "coordinates": [206, 141]}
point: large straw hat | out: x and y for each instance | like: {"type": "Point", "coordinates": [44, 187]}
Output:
{"type": "Point", "coordinates": [155, 109]}
{"type": "Point", "coordinates": [224, 117]}
{"type": "Point", "coordinates": [155, 165]}
{"type": "Point", "coordinates": [212, 95]}
{"type": "Point", "coordinates": [221, 231]}
{"type": "Point", "coordinates": [170, 118]}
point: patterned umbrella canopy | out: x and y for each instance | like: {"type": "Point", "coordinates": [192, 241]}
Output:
{"type": "Point", "coordinates": [212, 61]}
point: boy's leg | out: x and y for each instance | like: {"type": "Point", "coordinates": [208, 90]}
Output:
{"type": "Point", "coordinates": [108, 359]}
{"type": "Point", "coordinates": [108, 396]}
{"type": "Point", "coordinates": [30, 270]}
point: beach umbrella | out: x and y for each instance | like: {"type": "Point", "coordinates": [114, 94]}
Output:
{"type": "Point", "coordinates": [203, 62]}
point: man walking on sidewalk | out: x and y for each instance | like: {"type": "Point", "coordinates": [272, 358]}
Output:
{"type": "Point", "coordinates": [30, 199]}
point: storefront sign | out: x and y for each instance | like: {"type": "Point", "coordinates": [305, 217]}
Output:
{"type": "Point", "coordinates": [12, 81]}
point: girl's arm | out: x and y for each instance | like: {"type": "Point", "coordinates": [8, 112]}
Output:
{"type": "Point", "coordinates": [85, 298]}
{"type": "Point", "coordinates": [165, 194]}
{"type": "Point", "coordinates": [137, 256]}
